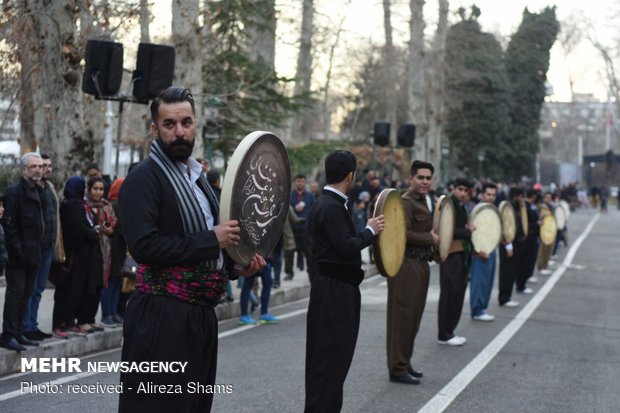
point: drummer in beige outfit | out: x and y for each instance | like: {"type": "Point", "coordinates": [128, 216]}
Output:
{"type": "Point", "coordinates": [407, 290]}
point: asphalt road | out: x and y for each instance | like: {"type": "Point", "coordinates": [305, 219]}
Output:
{"type": "Point", "coordinates": [557, 352]}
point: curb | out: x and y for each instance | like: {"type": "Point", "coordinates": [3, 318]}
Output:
{"type": "Point", "coordinates": [10, 361]}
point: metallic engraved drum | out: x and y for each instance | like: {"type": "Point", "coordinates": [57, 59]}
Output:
{"type": "Point", "coordinates": [548, 230]}
{"type": "Point", "coordinates": [488, 223]}
{"type": "Point", "coordinates": [389, 246]}
{"type": "Point", "coordinates": [523, 216]}
{"type": "Point", "coordinates": [560, 217]}
{"type": "Point", "coordinates": [445, 227]}
{"type": "Point", "coordinates": [566, 207]}
{"type": "Point", "coordinates": [256, 192]}
{"type": "Point", "coordinates": [509, 221]}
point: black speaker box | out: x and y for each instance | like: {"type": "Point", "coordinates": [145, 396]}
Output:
{"type": "Point", "coordinates": [382, 133]}
{"type": "Point", "coordinates": [104, 65]}
{"type": "Point", "coordinates": [154, 70]}
{"type": "Point", "coordinates": [406, 135]}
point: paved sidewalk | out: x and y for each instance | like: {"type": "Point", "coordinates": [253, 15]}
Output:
{"type": "Point", "coordinates": [296, 289]}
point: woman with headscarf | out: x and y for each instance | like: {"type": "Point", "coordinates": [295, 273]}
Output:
{"type": "Point", "coordinates": [105, 223]}
{"type": "Point", "coordinates": [84, 262]}
{"type": "Point", "coordinates": [118, 252]}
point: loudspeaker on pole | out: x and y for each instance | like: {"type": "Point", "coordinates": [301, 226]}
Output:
{"type": "Point", "coordinates": [104, 68]}
{"type": "Point", "coordinates": [406, 135]}
{"type": "Point", "coordinates": [154, 70]}
{"type": "Point", "coordinates": [381, 133]}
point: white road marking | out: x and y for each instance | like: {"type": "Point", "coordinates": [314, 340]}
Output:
{"type": "Point", "coordinates": [447, 395]}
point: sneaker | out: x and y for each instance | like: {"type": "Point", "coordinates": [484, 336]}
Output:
{"type": "Point", "coordinates": [545, 272]}
{"type": "Point", "coordinates": [552, 260]}
{"type": "Point", "coordinates": [118, 319]}
{"type": "Point", "coordinates": [254, 307]}
{"type": "Point", "coordinates": [246, 320]}
{"type": "Point", "coordinates": [526, 291]}
{"type": "Point", "coordinates": [268, 319]}
{"type": "Point", "coordinates": [484, 317]}
{"type": "Point", "coordinates": [453, 342]}
{"type": "Point", "coordinates": [533, 280]}
{"type": "Point", "coordinates": [108, 322]}
{"type": "Point", "coordinates": [60, 333]}
{"type": "Point", "coordinates": [510, 304]}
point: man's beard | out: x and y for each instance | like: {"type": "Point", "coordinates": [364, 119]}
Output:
{"type": "Point", "coordinates": [178, 150]}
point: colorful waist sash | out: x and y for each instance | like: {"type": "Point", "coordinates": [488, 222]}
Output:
{"type": "Point", "coordinates": [195, 284]}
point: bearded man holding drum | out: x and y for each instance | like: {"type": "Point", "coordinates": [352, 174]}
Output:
{"type": "Point", "coordinates": [407, 290]}
{"type": "Point", "coordinates": [170, 218]}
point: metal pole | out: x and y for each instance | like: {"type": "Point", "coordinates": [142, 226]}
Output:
{"type": "Point", "coordinates": [107, 140]}
{"type": "Point", "coordinates": [118, 136]}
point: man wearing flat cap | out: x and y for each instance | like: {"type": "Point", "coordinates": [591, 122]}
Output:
{"type": "Point", "coordinates": [454, 269]}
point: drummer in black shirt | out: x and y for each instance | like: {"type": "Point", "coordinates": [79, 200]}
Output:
{"type": "Point", "coordinates": [334, 308]}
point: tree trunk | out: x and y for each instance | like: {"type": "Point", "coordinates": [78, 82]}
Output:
{"type": "Point", "coordinates": [390, 83]}
{"type": "Point", "coordinates": [63, 138]}
{"type": "Point", "coordinates": [188, 42]}
{"type": "Point", "coordinates": [262, 35]}
{"type": "Point", "coordinates": [417, 86]}
{"type": "Point", "coordinates": [437, 95]}
{"type": "Point", "coordinates": [29, 83]}
{"type": "Point", "coordinates": [301, 125]}
{"type": "Point", "coordinates": [326, 112]}
{"type": "Point", "coordinates": [145, 20]}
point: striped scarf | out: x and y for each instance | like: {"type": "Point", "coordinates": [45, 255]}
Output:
{"type": "Point", "coordinates": [191, 213]}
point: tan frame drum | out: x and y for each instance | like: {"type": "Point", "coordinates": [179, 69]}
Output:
{"type": "Point", "coordinates": [445, 225]}
{"type": "Point", "coordinates": [488, 222]}
{"type": "Point", "coordinates": [548, 230]}
{"type": "Point", "coordinates": [509, 221]}
{"type": "Point", "coordinates": [389, 246]}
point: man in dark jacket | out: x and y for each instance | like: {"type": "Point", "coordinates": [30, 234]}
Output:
{"type": "Point", "coordinates": [24, 225]}
{"type": "Point", "coordinates": [334, 308]}
{"type": "Point", "coordinates": [454, 270]}
{"type": "Point", "coordinates": [170, 220]}
{"type": "Point", "coordinates": [30, 324]}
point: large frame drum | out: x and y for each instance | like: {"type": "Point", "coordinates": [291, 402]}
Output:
{"type": "Point", "coordinates": [488, 222]}
{"type": "Point", "coordinates": [548, 230]}
{"type": "Point", "coordinates": [509, 221]}
{"type": "Point", "coordinates": [560, 217]}
{"type": "Point", "coordinates": [256, 192]}
{"type": "Point", "coordinates": [523, 215]}
{"type": "Point", "coordinates": [389, 246]}
{"type": "Point", "coordinates": [445, 225]}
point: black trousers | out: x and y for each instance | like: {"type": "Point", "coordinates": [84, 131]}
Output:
{"type": "Point", "coordinates": [453, 283]}
{"type": "Point", "coordinates": [331, 335]}
{"type": "Point", "coordinates": [161, 328]}
{"type": "Point", "coordinates": [19, 285]}
{"type": "Point", "coordinates": [527, 262]}
{"type": "Point", "coordinates": [508, 270]}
